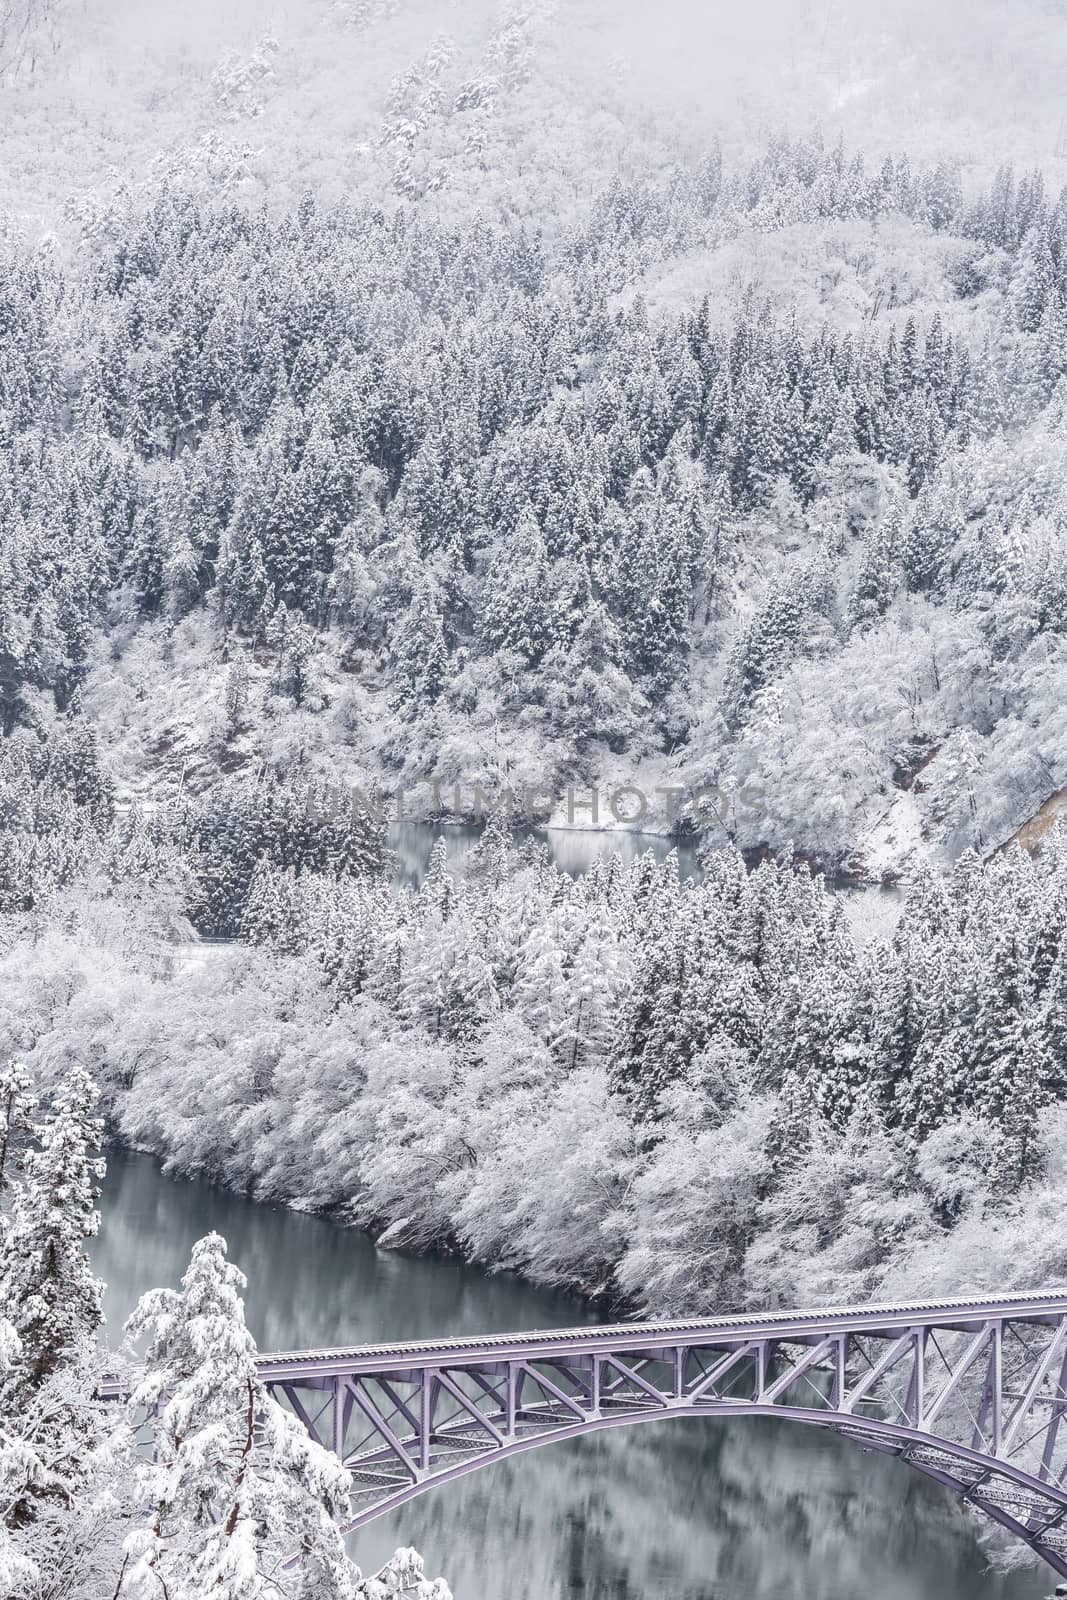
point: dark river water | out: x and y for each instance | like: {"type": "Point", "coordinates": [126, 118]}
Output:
{"type": "Point", "coordinates": [679, 1510]}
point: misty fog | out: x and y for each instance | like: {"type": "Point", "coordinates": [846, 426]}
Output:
{"type": "Point", "coordinates": [123, 83]}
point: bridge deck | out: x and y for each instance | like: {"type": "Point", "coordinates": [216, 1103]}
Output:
{"type": "Point", "coordinates": [1042, 1306]}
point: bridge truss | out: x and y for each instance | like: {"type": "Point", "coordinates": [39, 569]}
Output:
{"type": "Point", "coordinates": [971, 1393]}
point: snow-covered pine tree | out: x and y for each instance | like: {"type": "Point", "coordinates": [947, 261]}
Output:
{"type": "Point", "coordinates": [880, 574]}
{"type": "Point", "coordinates": [21, 1472]}
{"type": "Point", "coordinates": [47, 1287]}
{"type": "Point", "coordinates": [52, 1307]}
{"type": "Point", "coordinates": [420, 654]}
{"type": "Point", "coordinates": [17, 1104]}
{"type": "Point", "coordinates": [236, 1488]}
{"type": "Point", "coordinates": [1034, 280]}
{"type": "Point", "coordinates": [540, 989]}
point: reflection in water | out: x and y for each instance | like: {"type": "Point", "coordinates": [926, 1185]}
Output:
{"type": "Point", "coordinates": [681, 1510]}
{"type": "Point", "coordinates": [871, 910]}
{"type": "Point", "coordinates": [572, 849]}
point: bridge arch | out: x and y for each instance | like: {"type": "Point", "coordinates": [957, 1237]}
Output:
{"type": "Point", "coordinates": [953, 1467]}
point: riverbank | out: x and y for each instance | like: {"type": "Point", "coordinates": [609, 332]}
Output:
{"type": "Point", "coordinates": [666, 1094]}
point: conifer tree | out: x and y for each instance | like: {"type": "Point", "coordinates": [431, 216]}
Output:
{"type": "Point", "coordinates": [419, 650]}
{"type": "Point", "coordinates": [49, 1292]}
{"type": "Point", "coordinates": [17, 1104]}
{"type": "Point", "coordinates": [236, 1486]}
{"type": "Point", "coordinates": [52, 1306]}
{"type": "Point", "coordinates": [21, 1473]}
{"type": "Point", "coordinates": [1033, 281]}
{"type": "Point", "coordinates": [879, 574]}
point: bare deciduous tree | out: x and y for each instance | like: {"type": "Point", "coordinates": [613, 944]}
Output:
{"type": "Point", "coordinates": [29, 29]}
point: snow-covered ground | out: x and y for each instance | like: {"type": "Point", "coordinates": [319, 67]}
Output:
{"type": "Point", "coordinates": [894, 842]}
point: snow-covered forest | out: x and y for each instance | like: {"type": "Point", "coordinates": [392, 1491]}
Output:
{"type": "Point", "coordinates": [401, 401]}
{"type": "Point", "coordinates": [370, 497]}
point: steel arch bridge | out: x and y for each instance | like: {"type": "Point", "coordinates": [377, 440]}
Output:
{"type": "Point", "coordinates": [970, 1392]}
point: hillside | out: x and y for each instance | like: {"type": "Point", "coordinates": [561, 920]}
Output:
{"type": "Point", "coordinates": [391, 500]}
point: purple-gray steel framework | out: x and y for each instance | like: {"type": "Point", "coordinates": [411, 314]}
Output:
{"type": "Point", "coordinates": [970, 1392]}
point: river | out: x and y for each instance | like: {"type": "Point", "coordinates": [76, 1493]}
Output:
{"type": "Point", "coordinates": [572, 849]}
{"type": "Point", "coordinates": [680, 1510]}
{"type": "Point", "coordinates": [871, 909]}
